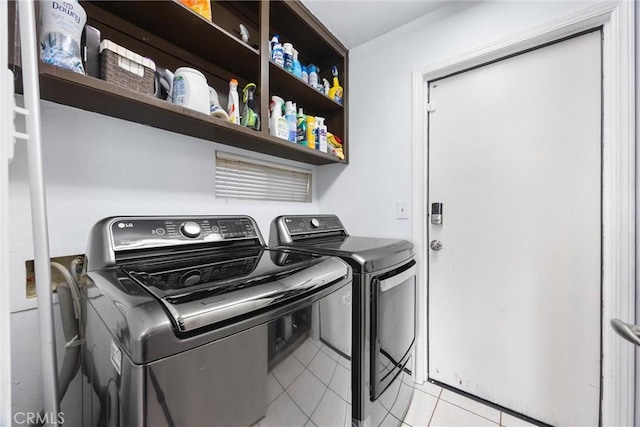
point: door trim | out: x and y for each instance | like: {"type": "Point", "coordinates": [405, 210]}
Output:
{"type": "Point", "coordinates": [618, 183]}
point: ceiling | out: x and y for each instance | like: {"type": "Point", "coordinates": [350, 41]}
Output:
{"type": "Point", "coordinates": [355, 22]}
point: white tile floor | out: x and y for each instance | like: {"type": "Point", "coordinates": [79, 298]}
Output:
{"type": "Point", "coordinates": [311, 388]}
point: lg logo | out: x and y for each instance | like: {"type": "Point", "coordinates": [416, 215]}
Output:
{"type": "Point", "coordinates": [125, 225]}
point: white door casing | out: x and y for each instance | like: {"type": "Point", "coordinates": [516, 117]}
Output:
{"type": "Point", "coordinates": [514, 293]}
{"type": "Point", "coordinates": [619, 182]}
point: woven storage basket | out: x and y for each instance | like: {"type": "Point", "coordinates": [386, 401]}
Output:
{"type": "Point", "coordinates": [126, 68]}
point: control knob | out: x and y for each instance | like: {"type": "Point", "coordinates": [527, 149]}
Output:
{"type": "Point", "coordinates": [190, 229]}
{"type": "Point", "coordinates": [314, 223]}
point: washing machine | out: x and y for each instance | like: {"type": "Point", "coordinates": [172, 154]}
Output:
{"type": "Point", "coordinates": [192, 321]}
{"type": "Point", "coordinates": [372, 322]}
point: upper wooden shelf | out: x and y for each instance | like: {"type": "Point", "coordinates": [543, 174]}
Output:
{"type": "Point", "coordinates": [77, 90]}
{"type": "Point", "coordinates": [187, 30]}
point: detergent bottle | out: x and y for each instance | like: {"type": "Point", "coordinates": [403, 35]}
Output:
{"type": "Point", "coordinates": [250, 115]}
{"type": "Point", "coordinates": [335, 92]}
{"type": "Point", "coordinates": [288, 57]}
{"type": "Point", "coordinates": [321, 135]}
{"type": "Point", "coordinates": [290, 116]}
{"type": "Point", "coordinates": [278, 125]}
{"type": "Point", "coordinates": [297, 67]}
{"type": "Point", "coordinates": [311, 132]}
{"type": "Point", "coordinates": [301, 128]}
{"type": "Point", "coordinates": [233, 106]}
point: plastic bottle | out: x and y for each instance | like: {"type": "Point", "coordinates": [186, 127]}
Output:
{"type": "Point", "coordinates": [278, 125]}
{"type": "Point", "coordinates": [288, 57]}
{"type": "Point", "coordinates": [326, 86]}
{"type": "Point", "coordinates": [303, 74]}
{"type": "Point", "coordinates": [301, 128]}
{"type": "Point", "coordinates": [277, 54]}
{"type": "Point", "coordinates": [250, 114]}
{"type": "Point", "coordinates": [297, 67]}
{"type": "Point", "coordinates": [321, 135]}
{"type": "Point", "coordinates": [290, 116]}
{"type": "Point", "coordinates": [336, 91]}
{"type": "Point", "coordinates": [274, 40]}
{"type": "Point", "coordinates": [233, 106]}
{"type": "Point", "coordinates": [311, 132]}
{"type": "Point", "coordinates": [313, 76]}
{"type": "Point", "coordinates": [214, 106]}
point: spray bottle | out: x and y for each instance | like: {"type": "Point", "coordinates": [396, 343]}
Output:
{"type": "Point", "coordinates": [278, 125]}
{"type": "Point", "coordinates": [301, 128]}
{"type": "Point", "coordinates": [335, 92]}
{"type": "Point", "coordinates": [297, 67]}
{"type": "Point", "coordinates": [250, 115]}
{"type": "Point", "coordinates": [290, 116]}
{"type": "Point", "coordinates": [321, 135]}
{"type": "Point", "coordinates": [233, 106]}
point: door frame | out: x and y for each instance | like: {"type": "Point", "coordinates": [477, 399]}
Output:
{"type": "Point", "coordinates": [619, 183]}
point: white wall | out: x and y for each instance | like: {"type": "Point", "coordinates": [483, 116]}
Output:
{"type": "Point", "coordinates": [364, 193]}
{"type": "Point", "coordinates": [96, 166]}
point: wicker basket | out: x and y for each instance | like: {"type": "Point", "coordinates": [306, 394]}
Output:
{"type": "Point", "coordinates": [126, 68]}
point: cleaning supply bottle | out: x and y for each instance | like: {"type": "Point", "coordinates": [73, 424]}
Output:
{"type": "Point", "coordinates": [335, 92]}
{"type": "Point", "coordinates": [303, 74]}
{"type": "Point", "coordinates": [214, 106]}
{"type": "Point", "coordinates": [250, 115]}
{"type": "Point", "coordinates": [301, 128]}
{"type": "Point", "coordinates": [274, 40]}
{"type": "Point", "coordinates": [233, 106]}
{"type": "Point", "coordinates": [278, 125]}
{"type": "Point", "coordinates": [326, 86]}
{"type": "Point", "coordinates": [297, 67]}
{"type": "Point", "coordinates": [277, 54]}
{"type": "Point", "coordinates": [313, 76]}
{"type": "Point", "coordinates": [290, 116]}
{"type": "Point", "coordinates": [311, 132]}
{"type": "Point", "coordinates": [321, 134]}
{"type": "Point", "coordinates": [288, 57]}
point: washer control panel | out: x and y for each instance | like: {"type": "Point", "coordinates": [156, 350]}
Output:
{"type": "Point", "coordinates": [140, 233]}
{"type": "Point", "coordinates": [307, 224]}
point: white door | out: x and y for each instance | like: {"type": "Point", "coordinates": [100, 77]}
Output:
{"type": "Point", "coordinates": [514, 292]}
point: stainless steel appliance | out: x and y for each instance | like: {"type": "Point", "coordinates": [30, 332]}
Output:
{"type": "Point", "coordinates": [191, 321]}
{"type": "Point", "coordinates": [382, 314]}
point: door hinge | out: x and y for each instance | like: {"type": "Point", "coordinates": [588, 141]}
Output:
{"type": "Point", "coordinates": [430, 107]}
{"type": "Point", "coordinates": [13, 111]}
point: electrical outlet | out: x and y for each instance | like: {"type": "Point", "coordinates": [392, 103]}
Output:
{"type": "Point", "coordinates": [402, 209]}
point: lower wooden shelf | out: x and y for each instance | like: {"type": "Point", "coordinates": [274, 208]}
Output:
{"type": "Point", "coordinates": [91, 94]}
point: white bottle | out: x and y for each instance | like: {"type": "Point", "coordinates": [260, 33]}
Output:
{"type": "Point", "coordinates": [313, 76]}
{"type": "Point", "coordinates": [288, 57]}
{"type": "Point", "coordinates": [290, 116]}
{"type": "Point", "coordinates": [233, 106]}
{"type": "Point", "coordinates": [321, 134]}
{"type": "Point", "coordinates": [278, 125]}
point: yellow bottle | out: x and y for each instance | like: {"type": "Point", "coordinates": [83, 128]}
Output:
{"type": "Point", "coordinates": [311, 134]}
{"type": "Point", "coordinates": [336, 91]}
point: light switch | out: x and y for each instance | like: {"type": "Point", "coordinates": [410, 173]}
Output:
{"type": "Point", "coordinates": [402, 209]}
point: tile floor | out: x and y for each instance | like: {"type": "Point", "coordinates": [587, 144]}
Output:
{"type": "Point", "coordinates": [311, 388]}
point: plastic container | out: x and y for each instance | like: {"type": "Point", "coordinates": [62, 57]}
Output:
{"type": "Point", "coordinates": [278, 125]}
{"type": "Point", "coordinates": [303, 74]}
{"type": "Point", "coordinates": [60, 33]}
{"type": "Point", "coordinates": [321, 135]}
{"type": "Point", "coordinates": [288, 57]}
{"type": "Point", "coordinates": [201, 7]}
{"type": "Point", "coordinates": [233, 106]}
{"type": "Point", "coordinates": [336, 90]}
{"type": "Point", "coordinates": [311, 132]}
{"type": "Point", "coordinates": [250, 113]}
{"type": "Point", "coordinates": [214, 106]}
{"type": "Point", "coordinates": [290, 116]}
{"type": "Point", "coordinates": [313, 76]}
{"type": "Point", "coordinates": [301, 128]}
{"type": "Point", "coordinates": [277, 54]}
{"type": "Point", "coordinates": [297, 67]}
{"type": "Point", "coordinates": [190, 90]}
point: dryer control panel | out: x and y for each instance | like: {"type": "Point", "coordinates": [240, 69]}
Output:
{"type": "Point", "coordinates": [151, 232]}
{"type": "Point", "coordinates": [307, 224]}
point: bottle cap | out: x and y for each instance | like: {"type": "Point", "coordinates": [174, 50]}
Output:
{"type": "Point", "coordinates": [233, 81]}
{"type": "Point", "coordinates": [304, 68]}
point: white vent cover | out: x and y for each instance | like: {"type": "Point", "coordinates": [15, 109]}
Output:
{"type": "Point", "coordinates": [239, 177]}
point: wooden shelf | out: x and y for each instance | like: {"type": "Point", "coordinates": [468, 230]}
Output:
{"type": "Point", "coordinates": [77, 90]}
{"type": "Point", "coordinates": [187, 30]}
{"type": "Point", "coordinates": [291, 88]}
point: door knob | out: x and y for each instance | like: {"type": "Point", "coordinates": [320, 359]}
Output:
{"type": "Point", "coordinates": [435, 245]}
{"type": "Point", "coordinates": [627, 331]}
